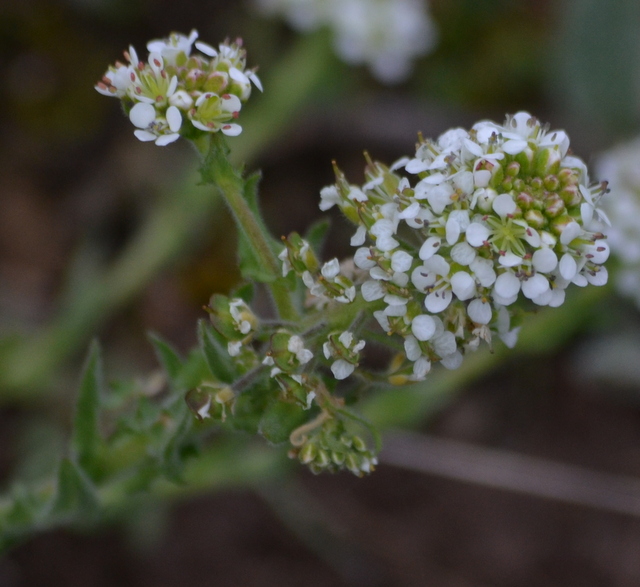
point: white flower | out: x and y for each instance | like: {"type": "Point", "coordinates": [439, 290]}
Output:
{"type": "Point", "coordinates": [170, 48]}
{"type": "Point", "coordinates": [341, 369]}
{"type": "Point", "coordinates": [386, 35]}
{"type": "Point", "coordinates": [345, 350]}
{"type": "Point", "coordinates": [329, 197]}
{"type": "Point", "coordinates": [296, 346]}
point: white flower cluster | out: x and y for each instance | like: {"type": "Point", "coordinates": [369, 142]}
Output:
{"type": "Point", "coordinates": [384, 34]}
{"type": "Point", "coordinates": [621, 167]}
{"type": "Point", "coordinates": [173, 85]}
{"type": "Point", "coordinates": [485, 218]}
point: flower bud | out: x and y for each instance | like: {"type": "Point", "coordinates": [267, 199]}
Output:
{"type": "Point", "coordinates": [297, 255]}
{"type": "Point", "coordinates": [288, 352]}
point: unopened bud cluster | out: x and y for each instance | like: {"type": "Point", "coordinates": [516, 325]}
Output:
{"type": "Point", "coordinates": [327, 444]}
{"type": "Point", "coordinates": [178, 93]}
{"type": "Point", "coordinates": [480, 220]}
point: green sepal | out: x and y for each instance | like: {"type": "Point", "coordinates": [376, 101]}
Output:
{"type": "Point", "coordinates": [215, 352]}
{"type": "Point", "coordinates": [279, 420]}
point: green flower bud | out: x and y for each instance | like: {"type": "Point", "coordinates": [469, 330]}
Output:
{"type": "Point", "coordinates": [298, 255]}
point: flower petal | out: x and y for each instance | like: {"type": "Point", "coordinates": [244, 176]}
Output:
{"type": "Point", "coordinates": [401, 261]}
{"type": "Point", "coordinates": [438, 301]}
{"type": "Point", "coordinates": [423, 327]}
{"type": "Point", "coordinates": [463, 285]}
{"type": "Point", "coordinates": [142, 115]}
{"type": "Point", "coordinates": [231, 130]}
{"type": "Point", "coordinates": [429, 247]}
{"type": "Point", "coordinates": [479, 311]}
{"type": "Point", "coordinates": [507, 285]}
{"type": "Point", "coordinates": [544, 260]}
{"type": "Point", "coordinates": [341, 369]}
{"type": "Point", "coordinates": [174, 118]}
{"type": "Point", "coordinates": [535, 286]}
{"type": "Point", "coordinates": [477, 234]}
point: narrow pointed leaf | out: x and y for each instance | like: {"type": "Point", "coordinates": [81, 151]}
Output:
{"type": "Point", "coordinates": [316, 235]}
{"type": "Point", "coordinates": [168, 357]}
{"type": "Point", "coordinates": [86, 434]}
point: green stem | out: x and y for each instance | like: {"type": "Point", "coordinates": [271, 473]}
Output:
{"type": "Point", "coordinates": [217, 170]}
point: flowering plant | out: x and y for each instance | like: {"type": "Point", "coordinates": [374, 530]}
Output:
{"type": "Point", "coordinates": [452, 245]}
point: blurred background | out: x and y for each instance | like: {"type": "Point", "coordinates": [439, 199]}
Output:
{"type": "Point", "coordinates": [104, 236]}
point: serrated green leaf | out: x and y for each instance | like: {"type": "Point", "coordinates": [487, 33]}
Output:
{"type": "Point", "coordinates": [169, 359]}
{"type": "Point", "coordinates": [316, 235]}
{"type": "Point", "coordinates": [279, 420]}
{"type": "Point", "coordinates": [86, 434]}
{"type": "Point", "coordinates": [215, 353]}
{"type": "Point", "coordinates": [76, 496]}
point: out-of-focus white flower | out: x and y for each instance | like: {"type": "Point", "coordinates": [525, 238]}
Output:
{"type": "Point", "coordinates": [385, 35]}
{"type": "Point", "coordinates": [621, 167]}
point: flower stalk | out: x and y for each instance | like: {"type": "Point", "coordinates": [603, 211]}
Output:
{"type": "Point", "coordinates": [216, 170]}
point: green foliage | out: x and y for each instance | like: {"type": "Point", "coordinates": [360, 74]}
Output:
{"type": "Point", "coordinates": [279, 420]}
{"type": "Point", "coordinates": [86, 439]}
{"type": "Point", "coordinates": [316, 235]}
{"type": "Point", "coordinates": [215, 353]}
{"type": "Point", "coordinates": [76, 496]}
{"type": "Point", "coordinates": [251, 267]}
{"type": "Point", "coordinates": [168, 357]}
{"type": "Point", "coordinates": [151, 436]}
